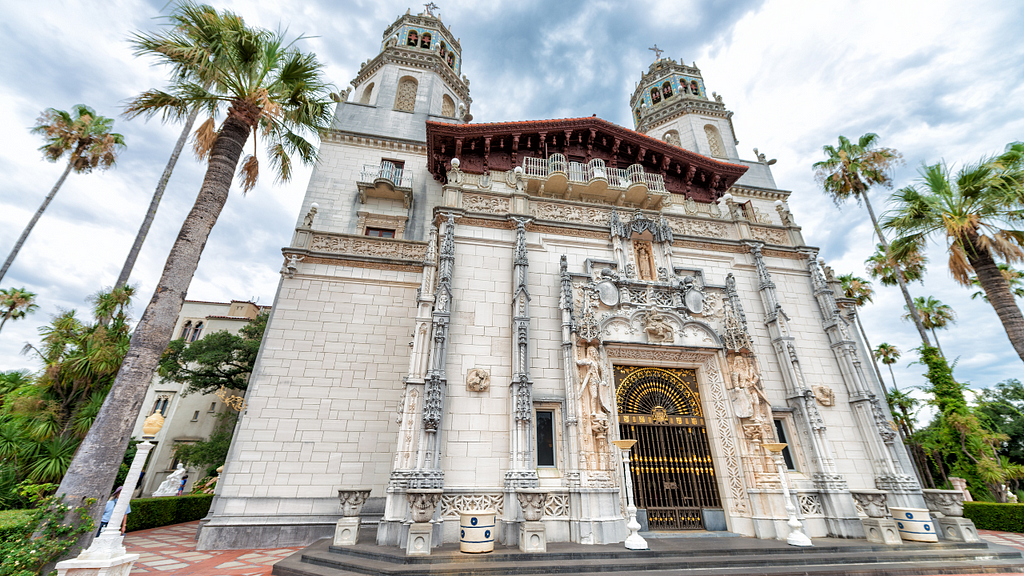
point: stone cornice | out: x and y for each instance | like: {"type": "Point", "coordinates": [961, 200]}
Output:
{"type": "Point", "coordinates": [373, 141]}
{"type": "Point", "coordinates": [414, 58]}
{"type": "Point", "coordinates": [753, 192]}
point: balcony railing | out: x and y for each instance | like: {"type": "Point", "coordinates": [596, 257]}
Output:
{"type": "Point", "coordinates": [595, 179]}
{"type": "Point", "coordinates": [385, 180]}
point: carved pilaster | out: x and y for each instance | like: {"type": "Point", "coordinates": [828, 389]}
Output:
{"type": "Point", "coordinates": [521, 470]}
{"type": "Point", "coordinates": [437, 379]}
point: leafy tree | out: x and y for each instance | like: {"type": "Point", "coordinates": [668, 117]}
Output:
{"type": "Point", "coordinates": [265, 83]}
{"type": "Point", "coordinates": [1001, 409]}
{"type": "Point", "coordinates": [217, 360]}
{"type": "Point", "coordinates": [86, 138]}
{"type": "Point", "coordinates": [15, 304]}
{"type": "Point", "coordinates": [1014, 277]}
{"type": "Point", "coordinates": [976, 211]}
{"type": "Point", "coordinates": [849, 171]}
{"type": "Point", "coordinates": [910, 259]}
{"type": "Point", "coordinates": [860, 291]}
{"type": "Point", "coordinates": [213, 452]}
{"type": "Point", "coordinates": [934, 314]}
{"type": "Point", "coordinates": [888, 354]}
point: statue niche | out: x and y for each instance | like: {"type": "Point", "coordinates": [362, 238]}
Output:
{"type": "Point", "coordinates": [594, 405]}
{"type": "Point", "coordinates": [752, 407]}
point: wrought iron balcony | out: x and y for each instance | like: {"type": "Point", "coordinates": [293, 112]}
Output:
{"type": "Point", "coordinates": [385, 180]}
{"type": "Point", "coordinates": [555, 176]}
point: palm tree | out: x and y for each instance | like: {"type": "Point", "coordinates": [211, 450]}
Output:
{"type": "Point", "coordinates": [195, 41]}
{"type": "Point", "coordinates": [911, 260]}
{"type": "Point", "coordinates": [87, 140]}
{"type": "Point", "coordinates": [1014, 277]}
{"type": "Point", "coordinates": [888, 355]}
{"type": "Point", "coordinates": [976, 210]}
{"type": "Point", "coordinates": [934, 314]}
{"type": "Point", "coordinates": [860, 291]}
{"type": "Point", "coordinates": [849, 171]}
{"type": "Point", "coordinates": [15, 304]}
{"type": "Point", "coordinates": [265, 84]}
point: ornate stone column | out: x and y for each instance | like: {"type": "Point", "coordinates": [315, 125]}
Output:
{"type": "Point", "coordinates": [840, 512]}
{"type": "Point", "coordinates": [876, 428]}
{"type": "Point", "coordinates": [521, 472]}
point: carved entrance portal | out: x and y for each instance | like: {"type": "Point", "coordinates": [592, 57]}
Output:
{"type": "Point", "coordinates": [673, 475]}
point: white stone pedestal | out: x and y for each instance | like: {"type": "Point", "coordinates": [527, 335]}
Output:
{"type": "Point", "coordinates": [881, 531]}
{"type": "Point", "coordinates": [117, 566]}
{"type": "Point", "coordinates": [346, 533]}
{"type": "Point", "coordinates": [958, 529]}
{"type": "Point", "coordinates": [419, 541]}
{"type": "Point", "coordinates": [533, 537]}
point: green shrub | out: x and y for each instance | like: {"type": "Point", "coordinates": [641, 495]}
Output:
{"type": "Point", "coordinates": [15, 523]}
{"type": "Point", "coordinates": [991, 516]}
{"type": "Point", "coordinates": [157, 512]}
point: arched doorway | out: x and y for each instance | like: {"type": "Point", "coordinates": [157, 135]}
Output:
{"type": "Point", "coordinates": [673, 474]}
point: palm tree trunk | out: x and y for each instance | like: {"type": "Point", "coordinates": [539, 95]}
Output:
{"type": "Point", "coordinates": [133, 255]}
{"type": "Point", "coordinates": [92, 471]}
{"type": "Point", "coordinates": [998, 292]}
{"type": "Point", "coordinates": [874, 362]}
{"type": "Point", "coordinates": [899, 273]}
{"type": "Point", "coordinates": [894, 386]}
{"type": "Point", "coordinates": [937, 345]}
{"type": "Point", "coordinates": [4, 321]}
{"type": "Point", "coordinates": [32, 222]}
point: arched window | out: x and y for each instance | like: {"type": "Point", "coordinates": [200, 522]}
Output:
{"type": "Point", "coordinates": [413, 39]}
{"type": "Point", "coordinates": [672, 137]}
{"type": "Point", "coordinates": [694, 88]}
{"type": "Point", "coordinates": [666, 89]}
{"type": "Point", "coordinates": [655, 95]}
{"type": "Point", "coordinates": [365, 99]}
{"type": "Point", "coordinates": [425, 41]}
{"type": "Point", "coordinates": [442, 50]}
{"type": "Point", "coordinates": [714, 141]}
{"type": "Point", "coordinates": [451, 60]}
{"type": "Point", "coordinates": [405, 99]}
{"type": "Point", "coordinates": [447, 106]}
{"type": "Point", "coordinates": [186, 329]}
{"type": "Point", "coordinates": [161, 405]}
{"type": "Point", "coordinates": [196, 332]}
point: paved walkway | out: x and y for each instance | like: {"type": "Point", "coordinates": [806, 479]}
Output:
{"type": "Point", "coordinates": [171, 551]}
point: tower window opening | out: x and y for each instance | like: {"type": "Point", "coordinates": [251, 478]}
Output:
{"type": "Point", "coordinates": [694, 88]}
{"type": "Point", "coordinates": [451, 60]}
{"type": "Point", "coordinates": [425, 41]}
{"type": "Point", "coordinates": [365, 98]}
{"type": "Point", "coordinates": [714, 141]}
{"type": "Point", "coordinates": [413, 39]}
{"type": "Point", "coordinates": [405, 99]}
{"type": "Point", "coordinates": [442, 50]}
{"type": "Point", "coordinates": [447, 106]}
{"type": "Point", "coordinates": [655, 95]}
{"type": "Point", "coordinates": [666, 89]}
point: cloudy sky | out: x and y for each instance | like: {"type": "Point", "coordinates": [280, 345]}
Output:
{"type": "Point", "coordinates": [936, 80]}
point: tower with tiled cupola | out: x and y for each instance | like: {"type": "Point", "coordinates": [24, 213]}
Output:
{"type": "Point", "coordinates": [671, 103]}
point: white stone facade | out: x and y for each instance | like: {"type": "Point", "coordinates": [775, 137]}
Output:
{"type": "Point", "coordinates": [372, 369]}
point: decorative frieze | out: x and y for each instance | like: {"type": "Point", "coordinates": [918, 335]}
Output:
{"type": "Point", "coordinates": [485, 204]}
{"type": "Point", "coordinates": [454, 504]}
{"type": "Point", "coordinates": [695, 227]}
{"type": "Point", "coordinates": [570, 213]}
{"type": "Point", "coordinates": [770, 235]}
{"type": "Point", "coordinates": [367, 246]}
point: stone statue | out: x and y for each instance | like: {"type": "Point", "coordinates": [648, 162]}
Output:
{"type": "Point", "coordinates": [824, 395]}
{"type": "Point", "coordinates": [643, 261]}
{"type": "Point", "coordinates": [307, 221]}
{"type": "Point", "coordinates": [478, 380]}
{"type": "Point", "coordinates": [592, 381]}
{"type": "Point", "coordinates": [170, 485]}
{"type": "Point", "coordinates": [657, 328]}
{"type": "Point", "coordinates": [746, 378]}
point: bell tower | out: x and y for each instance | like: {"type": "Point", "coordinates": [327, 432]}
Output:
{"type": "Point", "coordinates": [670, 103]}
{"type": "Point", "coordinates": [418, 70]}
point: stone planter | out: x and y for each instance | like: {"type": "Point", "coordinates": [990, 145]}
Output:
{"type": "Point", "coordinates": [531, 501]}
{"type": "Point", "coordinates": [872, 502]}
{"type": "Point", "coordinates": [476, 531]}
{"type": "Point", "coordinates": [352, 500]}
{"type": "Point", "coordinates": [422, 502]}
{"type": "Point", "coordinates": [945, 502]}
{"type": "Point", "coordinates": [914, 524]}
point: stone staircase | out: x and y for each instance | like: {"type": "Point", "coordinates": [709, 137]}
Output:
{"type": "Point", "coordinates": [667, 557]}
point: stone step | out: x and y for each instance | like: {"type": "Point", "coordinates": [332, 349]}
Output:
{"type": "Point", "coordinates": [836, 558]}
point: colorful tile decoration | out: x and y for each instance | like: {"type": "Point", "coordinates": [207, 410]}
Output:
{"type": "Point", "coordinates": [426, 39]}
{"type": "Point", "coordinates": [676, 83]}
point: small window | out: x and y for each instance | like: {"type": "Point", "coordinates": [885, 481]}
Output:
{"type": "Point", "coordinates": [447, 106]}
{"type": "Point", "coordinates": [425, 41]}
{"type": "Point", "coordinates": [405, 98]}
{"type": "Point", "coordinates": [213, 407]}
{"type": "Point", "coordinates": [655, 95]}
{"type": "Point", "coordinates": [161, 405]}
{"type": "Point", "coordinates": [714, 141]}
{"type": "Point", "coordinates": [666, 90]}
{"type": "Point", "coordinates": [545, 439]}
{"type": "Point", "coordinates": [780, 431]}
{"type": "Point", "coordinates": [196, 332]}
{"type": "Point", "coordinates": [413, 39]}
{"type": "Point", "coordinates": [693, 88]}
{"type": "Point", "coordinates": [195, 416]}
{"type": "Point", "coordinates": [186, 329]}
{"type": "Point", "coordinates": [451, 59]}
{"type": "Point", "coordinates": [442, 50]}
{"type": "Point", "coordinates": [365, 99]}
{"type": "Point", "coordinates": [380, 232]}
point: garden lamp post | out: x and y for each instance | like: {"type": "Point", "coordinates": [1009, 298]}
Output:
{"type": "Point", "coordinates": [796, 535]}
{"type": "Point", "coordinates": [634, 541]}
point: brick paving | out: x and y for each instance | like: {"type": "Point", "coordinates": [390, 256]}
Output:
{"type": "Point", "coordinates": [171, 551]}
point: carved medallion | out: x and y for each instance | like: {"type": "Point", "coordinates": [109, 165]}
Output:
{"type": "Point", "coordinates": [478, 380]}
{"type": "Point", "coordinates": [660, 415]}
{"type": "Point", "coordinates": [824, 395]}
{"type": "Point", "coordinates": [694, 301]}
{"type": "Point", "coordinates": [608, 294]}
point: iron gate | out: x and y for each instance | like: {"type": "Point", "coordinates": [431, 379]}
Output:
{"type": "Point", "coordinates": [673, 475]}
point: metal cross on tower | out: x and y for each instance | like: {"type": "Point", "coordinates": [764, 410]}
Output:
{"type": "Point", "coordinates": [657, 52]}
{"type": "Point", "coordinates": [430, 9]}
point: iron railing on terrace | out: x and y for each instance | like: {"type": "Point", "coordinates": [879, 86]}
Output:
{"type": "Point", "coordinates": [396, 175]}
{"type": "Point", "coordinates": [580, 173]}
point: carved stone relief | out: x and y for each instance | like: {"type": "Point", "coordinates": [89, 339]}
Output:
{"type": "Point", "coordinates": [770, 235]}
{"type": "Point", "coordinates": [485, 204]}
{"type": "Point", "coordinates": [368, 247]}
{"type": "Point", "coordinates": [824, 395]}
{"type": "Point", "coordinates": [570, 213]}
{"type": "Point", "coordinates": [478, 380]}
